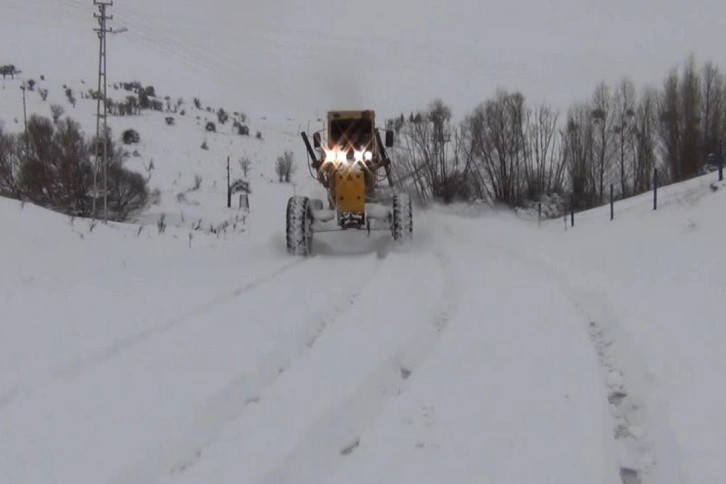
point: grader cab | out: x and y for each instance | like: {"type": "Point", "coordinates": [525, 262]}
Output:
{"type": "Point", "coordinates": [351, 163]}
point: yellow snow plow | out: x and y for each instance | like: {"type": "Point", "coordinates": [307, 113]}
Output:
{"type": "Point", "coordinates": [351, 163]}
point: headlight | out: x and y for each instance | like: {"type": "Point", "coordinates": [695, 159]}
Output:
{"type": "Point", "coordinates": [368, 156]}
{"type": "Point", "coordinates": [330, 156]}
{"type": "Point", "coordinates": [358, 156]}
{"type": "Point", "coordinates": [341, 156]}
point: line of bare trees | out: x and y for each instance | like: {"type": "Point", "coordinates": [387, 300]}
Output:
{"type": "Point", "coordinates": [508, 151]}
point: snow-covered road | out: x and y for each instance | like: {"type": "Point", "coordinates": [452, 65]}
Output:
{"type": "Point", "coordinates": [365, 363]}
{"type": "Point", "coordinates": [492, 350]}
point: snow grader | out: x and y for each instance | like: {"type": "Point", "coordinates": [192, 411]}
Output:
{"type": "Point", "coordinates": [352, 165]}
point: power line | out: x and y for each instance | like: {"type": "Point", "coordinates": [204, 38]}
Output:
{"type": "Point", "coordinates": [101, 111]}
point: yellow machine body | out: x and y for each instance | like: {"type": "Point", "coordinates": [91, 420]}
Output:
{"type": "Point", "coordinates": [347, 162]}
{"type": "Point", "coordinates": [349, 189]}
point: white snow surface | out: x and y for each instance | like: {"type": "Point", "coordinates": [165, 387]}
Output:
{"type": "Point", "coordinates": [492, 349]}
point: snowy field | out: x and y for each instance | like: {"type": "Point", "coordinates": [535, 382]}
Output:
{"type": "Point", "coordinates": [491, 350]}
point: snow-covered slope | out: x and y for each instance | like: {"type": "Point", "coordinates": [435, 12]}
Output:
{"type": "Point", "coordinates": [487, 351]}
{"type": "Point", "coordinates": [490, 350]}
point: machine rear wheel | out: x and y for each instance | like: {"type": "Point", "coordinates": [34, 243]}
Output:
{"type": "Point", "coordinates": [402, 223]}
{"type": "Point", "coordinates": [299, 226]}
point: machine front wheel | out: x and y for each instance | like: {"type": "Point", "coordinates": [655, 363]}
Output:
{"type": "Point", "coordinates": [299, 226]}
{"type": "Point", "coordinates": [402, 217]}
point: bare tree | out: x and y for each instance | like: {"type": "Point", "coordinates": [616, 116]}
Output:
{"type": "Point", "coordinates": [604, 122]}
{"type": "Point", "coordinates": [499, 144]}
{"type": "Point", "coordinates": [72, 166]}
{"type": "Point", "coordinates": [245, 163]}
{"type": "Point", "coordinates": [646, 134]}
{"type": "Point", "coordinates": [670, 126]}
{"type": "Point", "coordinates": [56, 111]}
{"type": "Point", "coordinates": [434, 156]}
{"type": "Point", "coordinates": [691, 108]}
{"type": "Point", "coordinates": [578, 151]}
{"type": "Point", "coordinates": [544, 163]}
{"type": "Point", "coordinates": [713, 111]}
{"type": "Point", "coordinates": [38, 174]}
{"type": "Point", "coordinates": [624, 130]}
{"type": "Point", "coordinates": [285, 166]}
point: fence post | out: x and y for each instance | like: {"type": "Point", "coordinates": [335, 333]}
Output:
{"type": "Point", "coordinates": [572, 212]}
{"type": "Point", "coordinates": [564, 214]}
{"type": "Point", "coordinates": [720, 167]}
{"type": "Point", "coordinates": [612, 203]}
{"type": "Point", "coordinates": [229, 188]}
{"type": "Point", "coordinates": [655, 189]}
{"type": "Point", "coordinates": [539, 213]}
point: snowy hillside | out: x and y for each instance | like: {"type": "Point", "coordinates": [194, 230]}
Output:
{"type": "Point", "coordinates": [492, 349]}
{"type": "Point", "coordinates": [150, 362]}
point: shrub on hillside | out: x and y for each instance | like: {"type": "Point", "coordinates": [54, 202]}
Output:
{"type": "Point", "coordinates": [8, 70]}
{"type": "Point", "coordinates": [211, 127]}
{"type": "Point", "coordinates": [9, 164]}
{"type": "Point", "coordinates": [127, 192]}
{"type": "Point", "coordinates": [70, 96]}
{"type": "Point", "coordinates": [56, 111]}
{"type": "Point", "coordinates": [222, 116]}
{"type": "Point", "coordinates": [52, 166]}
{"type": "Point", "coordinates": [55, 170]}
{"type": "Point", "coordinates": [130, 136]}
{"type": "Point", "coordinates": [243, 130]}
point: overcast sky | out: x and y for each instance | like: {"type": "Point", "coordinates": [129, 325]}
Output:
{"type": "Point", "coordinates": [293, 56]}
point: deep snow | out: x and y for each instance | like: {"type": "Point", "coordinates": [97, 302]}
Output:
{"type": "Point", "coordinates": [490, 350]}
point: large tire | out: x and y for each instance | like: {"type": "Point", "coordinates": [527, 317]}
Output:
{"type": "Point", "coordinates": [402, 223]}
{"type": "Point", "coordinates": [299, 226]}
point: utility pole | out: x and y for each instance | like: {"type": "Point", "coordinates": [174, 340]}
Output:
{"type": "Point", "coordinates": [25, 118]}
{"type": "Point", "coordinates": [101, 112]}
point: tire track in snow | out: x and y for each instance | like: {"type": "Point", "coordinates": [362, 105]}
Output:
{"type": "Point", "coordinates": [631, 430]}
{"type": "Point", "coordinates": [182, 450]}
{"type": "Point", "coordinates": [337, 434]}
{"type": "Point", "coordinates": [10, 395]}
{"type": "Point", "coordinates": [628, 417]}
{"type": "Point", "coordinates": [122, 345]}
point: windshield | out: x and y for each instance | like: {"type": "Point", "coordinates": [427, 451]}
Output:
{"type": "Point", "coordinates": [357, 133]}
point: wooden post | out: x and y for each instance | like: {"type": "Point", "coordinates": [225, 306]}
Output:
{"type": "Point", "coordinates": [612, 203]}
{"type": "Point", "coordinates": [655, 189]}
{"type": "Point", "coordinates": [572, 212]}
{"type": "Point", "coordinates": [229, 189]}
{"type": "Point", "coordinates": [720, 167]}
{"type": "Point", "coordinates": [539, 213]}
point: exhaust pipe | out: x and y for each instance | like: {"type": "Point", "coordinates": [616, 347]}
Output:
{"type": "Point", "coordinates": [311, 152]}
